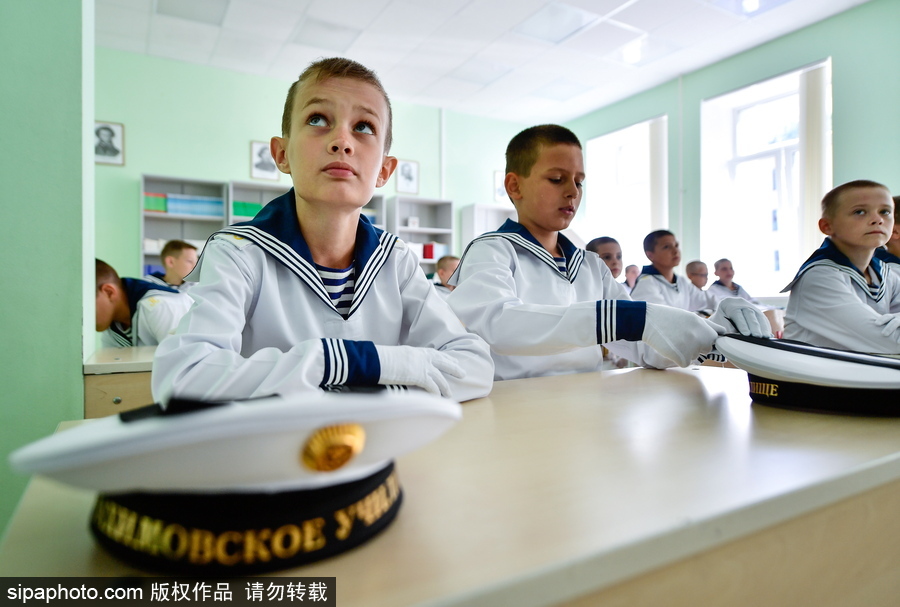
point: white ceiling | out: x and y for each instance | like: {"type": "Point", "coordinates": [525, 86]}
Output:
{"type": "Point", "coordinates": [464, 55]}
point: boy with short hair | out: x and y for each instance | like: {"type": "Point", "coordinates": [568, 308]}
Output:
{"type": "Point", "coordinates": [631, 275]}
{"type": "Point", "coordinates": [725, 285]}
{"type": "Point", "coordinates": [132, 312]}
{"type": "Point", "coordinates": [444, 269]}
{"type": "Point", "coordinates": [659, 283]}
{"type": "Point", "coordinates": [609, 251]}
{"type": "Point", "coordinates": [843, 296]}
{"type": "Point", "coordinates": [697, 273]}
{"type": "Point", "coordinates": [178, 258]}
{"type": "Point", "coordinates": [309, 295]}
{"type": "Point", "coordinates": [545, 306]}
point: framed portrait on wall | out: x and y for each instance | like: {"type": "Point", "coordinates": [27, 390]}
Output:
{"type": "Point", "coordinates": [109, 143]}
{"type": "Point", "coordinates": [262, 165]}
{"type": "Point", "coordinates": [407, 177]}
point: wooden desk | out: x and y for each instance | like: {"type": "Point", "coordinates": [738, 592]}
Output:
{"type": "Point", "coordinates": [632, 487]}
{"type": "Point", "coordinates": [116, 380]}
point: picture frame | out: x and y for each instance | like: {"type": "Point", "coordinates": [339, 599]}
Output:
{"type": "Point", "coordinates": [407, 177]}
{"type": "Point", "coordinates": [262, 165]}
{"type": "Point", "coordinates": [500, 187]}
{"type": "Point", "coordinates": [109, 143]}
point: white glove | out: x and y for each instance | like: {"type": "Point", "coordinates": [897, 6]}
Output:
{"type": "Point", "coordinates": [890, 324]}
{"type": "Point", "coordinates": [679, 335]}
{"type": "Point", "coordinates": [743, 315]}
{"type": "Point", "coordinates": [423, 367]}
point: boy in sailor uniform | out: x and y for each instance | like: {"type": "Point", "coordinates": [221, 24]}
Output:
{"type": "Point", "coordinates": [545, 306]}
{"type": "Point", "coordinates": [309, 294]}
{"type": "Point", "coordinates": [725, 285]}
{"type": "Point", "coordinates": [891, 251]}
{"type": "Point", "coordinates": [659, 283]}
{"type": "Point", "coordinates": [132, 312]}
{"type": "Point", "coordinates": [844, 296]}
{"type": "Point", "coordinates": [178, 258]}
{"type": "Point", "coordinates": [697, 273]}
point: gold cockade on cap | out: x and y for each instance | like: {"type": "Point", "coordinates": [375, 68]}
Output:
{"type": "Point", "coordinates": [331, 447]}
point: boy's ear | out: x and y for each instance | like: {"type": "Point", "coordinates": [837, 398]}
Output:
{"type": "Point", "coordinates": [513, 186]}
{"type": "Point", "coordinates": [895, 233]}
{"type": "Point", "coordinates": [277, 147]}
{"type": "Point", "coordinates": [108, 290]}
{"type": "Point", "coordinates": [825, 226]}
{"type": "Point", "coordinates": [388, 166]}
{"type": "Point", "coordinates": [168, 261]}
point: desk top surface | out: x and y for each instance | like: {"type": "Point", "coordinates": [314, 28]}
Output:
{"type": "Point", "coordinates": [553, 487]}
{"type": "Point", "coordinates": [120, 360]}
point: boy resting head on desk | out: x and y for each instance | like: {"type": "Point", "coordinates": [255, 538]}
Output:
{"type": "Point", "coordinates": [545, 306]}
{"type": "Point", "coordinates": [133, 312]}
{"type": "Point", "coordinates": [844, 296]}
{"type": "Point", "coordinates": [309, 295]}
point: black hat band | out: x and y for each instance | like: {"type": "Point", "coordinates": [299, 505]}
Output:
{"type": "Point", "coordinates": [240, 533]}
{"type": "Point", "coordinates": [810, 397]}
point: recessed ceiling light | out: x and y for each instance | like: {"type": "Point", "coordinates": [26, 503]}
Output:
{"type": "Point", "coordinates": [322, 34]}
{"type": "Point", "coordinates": [555, 22]}
{"type": "Point", "coordinates": [644, 50]}
{"type": "Point", "coordinates": [748, 8]}
{"type": "Point", "coordinates": [204, 11]}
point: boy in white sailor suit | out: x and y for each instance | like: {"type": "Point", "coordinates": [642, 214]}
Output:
{"type": "Point", "coordinates": [178, 258]}
{"type": "Point", "coordinates": [844, 296]}
{"type": "Point", "coordinates": [545, 306]}
{"type": "Point", "coordinates": [658, 282]}
{"type": "Point", "coordinates": [133, 312]}
{"type": "Point", "coordinates": [725, 285]}
{"type": "Point", "coordinates": [309, 294]}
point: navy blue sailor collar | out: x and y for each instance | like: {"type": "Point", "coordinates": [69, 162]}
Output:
{"type": "Point", "coordinates": [275, 230]}
{"type": "Point", "coordinates": [518, 234]}
{"type": "Point", "coordinates": [135, 289]}
{"type": "Point", "coordinates": [735, 287]}
{"type": "Point", "coordinates": [652, 271]}
{"type": "Point", "coordinates": [829, 255]}
{"type": "Point", "coordinates": [886, 256]}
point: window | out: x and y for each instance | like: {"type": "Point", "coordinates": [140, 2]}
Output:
{"type": "Point", "coordinates": [626, 187]}
{"type": "Point", "coordinates": [759, 198]}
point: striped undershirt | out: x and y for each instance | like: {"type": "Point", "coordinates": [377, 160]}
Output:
{"type": "Point", "coordinates": [339, 284]}
{"type": "Point", "coordinates": [561, 264]}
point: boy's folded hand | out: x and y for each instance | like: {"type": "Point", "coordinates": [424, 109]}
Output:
{"type": "Point", "coordinates": [422, 367]}
{"type": "Point", "coordinates": [745, 317]}
{"type": "Point", "coordinates": [679, 335]}
{"type": "Point", "coordinates": [890, 325]}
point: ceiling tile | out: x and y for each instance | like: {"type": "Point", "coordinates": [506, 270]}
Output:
{"type": "Point", "coordinates": [121, 42]}
{"type": "Point", "coordinates": [265, 22]}
{"type": "Point", "coordinates": [142, 6]}
{"type": "Point", "coordinates": [123, 22]}
{"type": "Point", "coordinates": [697, 25]}
{"type": "Point", "coordinates": [292, 59]}
{"type": "Point", "coordinates": [349, 13]}
{"type": "Point", "coordinates": [601, 39]}
{"type": "Point", "coordinates": [181, 39]}
{"type": "Point", "coordinates": [648, 15]}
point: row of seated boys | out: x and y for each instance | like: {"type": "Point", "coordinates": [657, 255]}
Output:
{"type": "Point", "coordinates": [309, 295]}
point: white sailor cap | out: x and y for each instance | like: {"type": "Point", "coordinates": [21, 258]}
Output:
{"type": "Point", "coordinates": [797, 375]}
{"type": "Point", "coordinates": [231, 488]}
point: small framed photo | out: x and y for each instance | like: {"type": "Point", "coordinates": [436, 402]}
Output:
{"type": "Point", "coordinates": [262, 165]}
{"type": "Point", "coordinates": [109, 143]}
{"type": "Point", "coordinates": [408, 177]}
{"type": "Point", "coordinates": [500, 187]}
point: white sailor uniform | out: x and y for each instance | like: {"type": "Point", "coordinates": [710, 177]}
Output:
{"type": "Point", "coordinates": [159, 279]}
{"type": "Point", "coordinates": [155, 312]}
{"type": "Point", "coordinates": [652, 287]}
{"type": "Point", "coordinates": [720, 291]}
{"type": "Point", "coordinates": [263, 322]}
{"type": "Point", "coordinates": [832, 303]}
{"type": "Point", "coordinates": [538, 319]}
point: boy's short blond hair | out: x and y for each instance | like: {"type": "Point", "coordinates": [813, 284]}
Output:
{"type": "Point", "coordinates": [336, 67]}
{"type": "Point", "coordinates": [106, 274]}
{"type": "Point", "coordinates": [445, 261]}
{"type": "Point", "coordinates": [693, 266]}
{"type": "Point", "coordinates": [173, 248]}
{"type": "Point", "coordinates": [832, 199]}
{"type": "Point", "coordinates": [523, 150]}
{"type": "Point", "coordinates": [719, 263]}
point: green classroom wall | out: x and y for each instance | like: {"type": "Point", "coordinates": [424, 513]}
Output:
{"type": "Point", "coordinates": [47, 178]}
{"type": "Point", "coordinates": [197, 122]}
{"type": "Point", "coordinates": [865, 52]}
